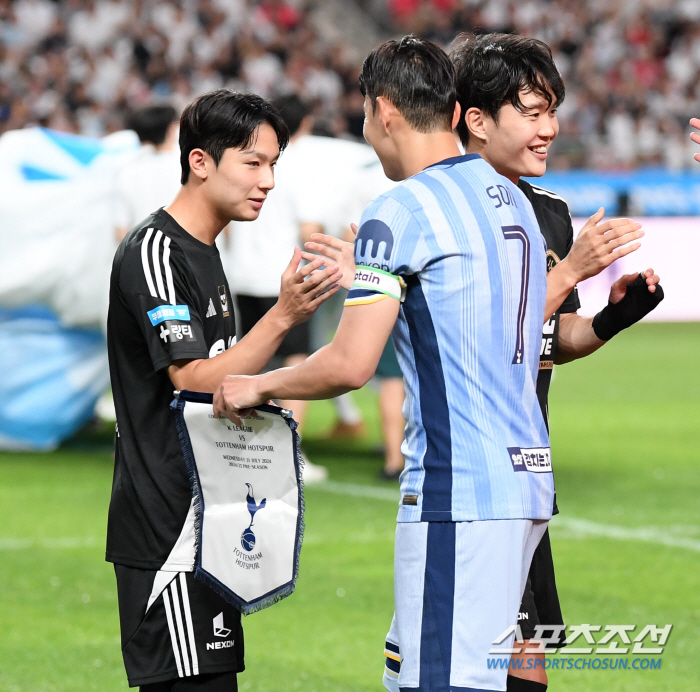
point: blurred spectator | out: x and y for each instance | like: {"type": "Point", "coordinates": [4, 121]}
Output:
{"type": "Point", "coordinates": [632, 68]}
{"type": "Point", "coordinates": [152, 179]}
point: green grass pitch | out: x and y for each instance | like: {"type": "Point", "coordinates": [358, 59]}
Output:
{"type": "Point", "coordinates": [626, 445]}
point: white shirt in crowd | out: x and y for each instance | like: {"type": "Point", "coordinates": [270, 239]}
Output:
{"type": "Point", "coordinates": [148, 182]}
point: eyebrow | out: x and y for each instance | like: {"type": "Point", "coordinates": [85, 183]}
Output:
{"type": "Point", "coordinates": [259, 154]}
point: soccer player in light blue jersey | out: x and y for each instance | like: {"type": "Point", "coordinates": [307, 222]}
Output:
{"type": "Point", "coordinates": [453, 261]}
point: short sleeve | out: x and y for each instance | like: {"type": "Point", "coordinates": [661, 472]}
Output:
{"type": "Point", "coordinates": [571, 302]}
{"type": "Point", "coordinates": [385, 251]}
{"type": "Point", "coordinates": [161, 297]}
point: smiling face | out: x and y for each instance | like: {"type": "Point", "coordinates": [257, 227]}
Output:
{"type": "Point", "coordinates": [517, 145]}
{"type": "Point", "coordinates": [239, 185]}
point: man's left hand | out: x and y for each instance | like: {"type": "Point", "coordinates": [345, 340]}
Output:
{"type": "Point", "coordinates": [236, 397]}
{"type": "Point", "coordinates": [619, 289]}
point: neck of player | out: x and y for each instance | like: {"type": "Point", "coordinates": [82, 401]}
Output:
{"type": "Point", "coordinates": [418, 150]}
{"type": "Point", "coordinates": [477, 146]}
{"type": "Point", "coordinates": [195, 213]}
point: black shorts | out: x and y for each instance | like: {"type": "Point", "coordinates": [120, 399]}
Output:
{"type": "Point", "coordinates": [187, 630]}
{"type": "Point", "coordinates": [540, 604]}
{"type": "Point", "coordinates": [250, 311]}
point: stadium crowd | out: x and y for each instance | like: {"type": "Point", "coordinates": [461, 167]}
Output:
{"type": "Point", "coordinates": [631, 67]}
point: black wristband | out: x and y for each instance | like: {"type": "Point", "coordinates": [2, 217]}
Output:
{"type": "Point", "coordinates": [637, 303]}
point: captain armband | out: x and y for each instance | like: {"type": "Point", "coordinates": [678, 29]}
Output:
{"type": "Point", "coordinates": [372, 285]}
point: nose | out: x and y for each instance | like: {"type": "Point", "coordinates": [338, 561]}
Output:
{"type": "Point", "coordinates": [267, 181]}
{"type": "Point", "coordinates": [548, 127]}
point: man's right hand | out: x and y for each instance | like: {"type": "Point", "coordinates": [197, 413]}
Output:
{"type": "Point", "coordinates": [303, 290]}
{"type": "Point", "coordinates": [598, 245]}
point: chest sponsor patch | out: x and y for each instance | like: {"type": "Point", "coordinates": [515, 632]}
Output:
{"type": "Point", "coordinates": [535, 459]}
{"type": "Point", "coordinates": [169, 312]}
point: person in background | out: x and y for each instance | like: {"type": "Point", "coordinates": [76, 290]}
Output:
{"type": "Point", "coordinates": [152, 179]}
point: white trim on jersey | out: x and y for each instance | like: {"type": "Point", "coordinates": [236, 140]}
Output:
{"type": "Point", "coordinates": [171, 627]}
{"type": "Point", "coordinates": [181, 631]}
{"type": "Point", "coordinates": [156, 265]}
{"type": "Point", "coordinates": [548, 193]}
{"type": "Point", "coordinates": [180, 628]}
{"type": "Point", "coordinates": [188, 619]}
{"type": "Point", "coordinates": [168, 271]}
{"type": "Point", "coordinates": [144, 262]}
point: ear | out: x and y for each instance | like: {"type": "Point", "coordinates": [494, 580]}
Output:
{"type": "Point", "coordinates": [474, 119]}
{"type": "Point", "coordinates": [199, 161]}
{"type": "Point", "coordinates": [456, 115]}
{"type": "Point", "coordinates": [387, 112]}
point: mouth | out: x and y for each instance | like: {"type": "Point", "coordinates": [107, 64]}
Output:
{"type": "Point", "coordinates": [540, 151]}
{"type": "Point", "coordinates": [257, 203]}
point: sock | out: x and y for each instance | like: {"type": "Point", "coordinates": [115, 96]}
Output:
{"type": "Point", "coordinates": [521, 685]}
{"type": "Point", "coordinates": [347, 410]}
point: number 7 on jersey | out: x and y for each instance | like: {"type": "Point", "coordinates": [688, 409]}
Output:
{"type": "Point", "coordinates": [518, 233]}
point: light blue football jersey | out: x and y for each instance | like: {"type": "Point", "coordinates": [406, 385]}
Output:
{"type": "Point", "coordinates": [471, 260]}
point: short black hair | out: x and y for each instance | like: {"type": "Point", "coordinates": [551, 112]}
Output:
{"type": "Point", "coordinates": [151, 123]}
{"type": "Point", "coordinates": [494, 69]}
{"type": "Point", "coordinates": [417, 77]}
{"type": "Point", "coordinates": [293, 110]}
{"type": "Point", "coordinates": [225, 119]}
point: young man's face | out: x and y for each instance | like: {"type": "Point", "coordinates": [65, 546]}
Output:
{"type": "Point", "coordinates": [518, 144]}
{"type": "Point", "coordinates": [240, 183]}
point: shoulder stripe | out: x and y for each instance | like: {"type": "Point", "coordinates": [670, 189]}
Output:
{"type": "Point", "coordinates": [144, 262]}
{"type": "Point", "coordinates": [188, 619]}
{"type": "Point", "coordinates": [547, 193]}
{"type": "Point", "coordinates": [168, 271]}
{"type": "Point", "coordinates": [156, 265]}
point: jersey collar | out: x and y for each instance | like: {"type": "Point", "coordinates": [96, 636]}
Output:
{"type": "Point", "coordinates": [453, 160]}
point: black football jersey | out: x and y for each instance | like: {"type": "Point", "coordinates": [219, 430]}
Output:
{"type": "Point", "coordinates": [554, 218]}
{"type": "Point", "coordinates": [169, 301]}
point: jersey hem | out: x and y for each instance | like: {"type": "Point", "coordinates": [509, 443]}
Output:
{"type": "Point", "coordinates": [146, 564]}
{"type": "Point", "coordinates": [174, 675]}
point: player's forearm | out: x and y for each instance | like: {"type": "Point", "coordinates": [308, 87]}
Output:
{"type": "Point", "coordinates": [326, 374]}
{"type": "Point", "coordinates": [247, 357]}
{"type": "Point", "coordinates": [576, 338]}
{"type": "Point", "coordinates": [561, 280]}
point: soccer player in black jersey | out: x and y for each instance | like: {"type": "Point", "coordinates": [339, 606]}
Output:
{"type": "Point", "coordinates": [171, 326]}
{"type": "Point", "coordinates": [509, 89]}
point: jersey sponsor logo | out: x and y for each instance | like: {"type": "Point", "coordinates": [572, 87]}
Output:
{"type": "Point", "coordinates": [220, 631]}
{"type": "Point", "coordinates": [535, 459]}
{"type": "Point", "coordinates": [223, 297]}
{"type": "Point", "coordinates": [174, 332]}
{"type": "Point", "coordinates": [371, 236]}
{"type": "Point", "coordinates": [211, 310]}
{"type": "Point", "coordinates": [217, 347]}
{"type": "Point", "coordinates": [501, 196]}
{"type": "Point", "coordinates": [169, 312]}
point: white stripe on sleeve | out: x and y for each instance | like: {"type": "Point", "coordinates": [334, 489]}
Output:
{"type": "Point", "coordinates": [156, 264]}
{"type": "Point", "coordinates": [168, 271]}
{"type": "Point", "coordinates": [144, 262]}
{"type": "Point", "coordinates": [188, 619]}
{"type": "Point", "coordinates": [171, 627]}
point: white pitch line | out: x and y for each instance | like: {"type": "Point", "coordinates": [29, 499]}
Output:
{"type": "Point", "coordinates": [570, 527]}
